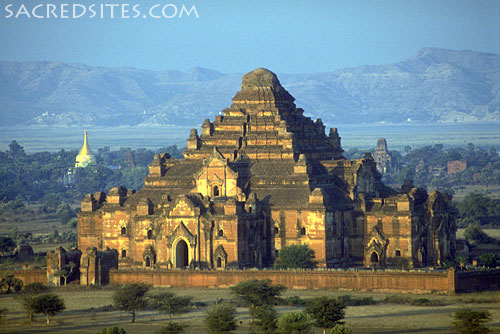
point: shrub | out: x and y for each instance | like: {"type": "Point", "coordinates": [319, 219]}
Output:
{"type": "Point", "coordinates": [295, 323]}
{"type": "Point", "coordinates": [468, 321]}
{"type": "Point", "coordinates": [221, 318]}
{"type": "Point", "coordinates": [112, 330]}
{"type": "Point", "coordinates": [340, 329]}
{"type": "Point", "coordinates": [348, 300]}
{"type": "Point", "coordinates": [172, 328]}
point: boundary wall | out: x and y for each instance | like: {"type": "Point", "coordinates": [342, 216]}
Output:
{"type": "Point", "coordinates": [388, 281]}
{"type": "Point", "coordinates": [31, 276]}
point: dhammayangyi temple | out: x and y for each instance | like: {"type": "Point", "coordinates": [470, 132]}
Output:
{"type": "Point", "coordinates": [259, 177]}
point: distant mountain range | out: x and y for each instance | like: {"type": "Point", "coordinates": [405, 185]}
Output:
{"type": "Point", "coordinates": [436, 85]}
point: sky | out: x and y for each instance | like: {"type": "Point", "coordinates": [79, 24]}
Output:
{"type": "Point", "coordinates": [235, 36]}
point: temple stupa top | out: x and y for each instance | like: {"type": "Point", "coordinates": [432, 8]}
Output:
{"type": "Point", "coordinates": [85, 156]}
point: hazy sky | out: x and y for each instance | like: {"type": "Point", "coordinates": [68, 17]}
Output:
{"type": "Point", "coordinates": [287, 36]}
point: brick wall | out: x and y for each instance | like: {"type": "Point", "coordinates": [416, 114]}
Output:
{"type": "Point", "coordinates": [477, 280]}
{"type": "Point", "coordinates": [390, 281]}
{"type": "Point", "coordinates": [31, 276]}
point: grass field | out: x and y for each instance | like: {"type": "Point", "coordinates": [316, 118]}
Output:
{"type": "Point", "coordinates": [86, 312]}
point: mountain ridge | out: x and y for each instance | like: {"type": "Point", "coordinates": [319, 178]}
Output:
{"type": "Point", "coordinates": [433, 86]}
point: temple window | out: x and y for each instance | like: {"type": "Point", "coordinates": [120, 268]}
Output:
{"type": "Point", "coordinates": [303, 231]}
{"type": "Point", "coordinates": [276, 253]}
{"type": "Point", "coordinates": [150, 234]}
{"type": "Point", "coordinates": [216, 191]}
{"type": "Point", "coordinates": [220, 233]}
{"type": "Point", "coordinates": [276, 230]}
{"type": "Point", "coordinates": [398, 253]}
{"type": "Point", "coordinates": [124, 253]}
{"type": "Point", "coordinates": [124, 231]}
{"type": "Point", "coordinates": [374, 258]}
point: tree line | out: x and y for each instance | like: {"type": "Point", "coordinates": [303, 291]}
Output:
{"type": "Point", "coordinates": [41, 176]}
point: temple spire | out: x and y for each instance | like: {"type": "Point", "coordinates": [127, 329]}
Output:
{"type": "Point", "coordinates": [85, 156]}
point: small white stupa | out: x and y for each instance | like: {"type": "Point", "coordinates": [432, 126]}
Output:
{"type": "Point", "coordinates": [86, 156]}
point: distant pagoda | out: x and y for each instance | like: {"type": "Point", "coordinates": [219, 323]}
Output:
{"type": "Point", "coordinates": [86, 156]}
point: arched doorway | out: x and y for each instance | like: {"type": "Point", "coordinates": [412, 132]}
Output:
{"type": "Point", "coordinates": [181, 255]}
{"type": "Point", "coordinates": [216, 191]}
{"type": "Point", "coordinates": [219, 262]}
{"type": "Point", "coordinates": [374, 258]}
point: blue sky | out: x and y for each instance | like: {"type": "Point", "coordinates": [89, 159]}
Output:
{"type": "Point", "coordinates": [288, 36]}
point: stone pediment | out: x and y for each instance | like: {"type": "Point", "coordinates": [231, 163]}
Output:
{"type": "Point", "coordinates": [183, 207]}
{"type": "Point", "coordinates": [378, 242]}
{"type": "Point", "coordinates": [181, 231]}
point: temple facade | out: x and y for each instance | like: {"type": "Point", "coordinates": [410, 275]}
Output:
{"type": "Point", "coordinates": [255, 179]}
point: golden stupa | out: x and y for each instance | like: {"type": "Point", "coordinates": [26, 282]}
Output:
{"type": "Point", "coordinates": [86, 156]}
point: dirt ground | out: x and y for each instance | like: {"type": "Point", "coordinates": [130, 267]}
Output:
{"type": "Point", "coordinates": [86, 312]}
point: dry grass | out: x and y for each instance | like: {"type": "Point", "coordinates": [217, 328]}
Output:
{"type": "Point", "coordinates": [86, 312]}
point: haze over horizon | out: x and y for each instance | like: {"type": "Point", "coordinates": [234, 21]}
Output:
{"type": "Point", "coordinates": [236, 36]}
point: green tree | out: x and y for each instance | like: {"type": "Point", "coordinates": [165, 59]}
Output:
{"type": "Point", "coordinates": [489, 260]}
{"type": "Point", "coordinates": [7, 245]}
{"type": "Point", "coordinates": [28, 293]}
{"type": "Point", "coordinates": [296, 256]}
{"type": "Point", "coordinates": [295, 323]}
{"type": "Point", "coordinates": [326, 312]}
{"type": "Point", "coordinates": [9, 281]}
{"type": "Point", "coordinates": [468, 321]}
{"type": "Point", "coordinates": [48, 304]}
{"type": "Point", "coordinates": [258, 293]}
{"type": "Point", "coordinates": [64, 213]}
{"type": "Point", "coordinates": [131, 297]}
{"type": "Point", "coordinates": [113, 330]}
{"type": "Point", "coordinates": [474, 232]}
{"type": "Point", "coordinates": [169, 303]}
{"type": "Point", "coordinates": [221, 318]}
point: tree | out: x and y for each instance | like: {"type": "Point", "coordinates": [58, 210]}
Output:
{"type": "Point", "coordinates": [169, 303]}
{"type": "Point", "coordinates": [326, 312]}
{"type": "Point", "coordinates": [489, 260]}
{"type": "Point", "coordinates": [131, 297]}
{"type": "Point", "coordinates": [296, 256]}
{"type": "Point", "coordinates": [8, 282]}
{"type": "Point", "coordinates": [295, 323]}
{"type": "Point", "coordinates": [473, 232]}
{"type": "Point", "coordinates": [64, 213]}
{"type": "Point", "coordinates": [28, 294]}
{"type": "Point", "coordinates": [221, 318]}
{"type": "Point", "coordinates": [67, 271]}
{"type": "Point", "coordinates": [15, 150]}
{"type": "Point", "coordinates": [257, 293]}
{"type": "Point", "coordinates": [468, 321]}
{"type": "Point", "coordinates": [7, 245]}
{"type": "Point", "coordinates": [113, 330]}
{"type": "Point", "coordinates": [48, 304]}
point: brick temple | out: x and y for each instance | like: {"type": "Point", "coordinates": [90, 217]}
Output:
{"type": "Point", "coordinates": [257, 178]}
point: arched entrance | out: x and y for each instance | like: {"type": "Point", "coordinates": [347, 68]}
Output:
{"type": "Point", "coordinates": [181, 254]}
{"type": "Point", "coordinates": [374, 258]}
